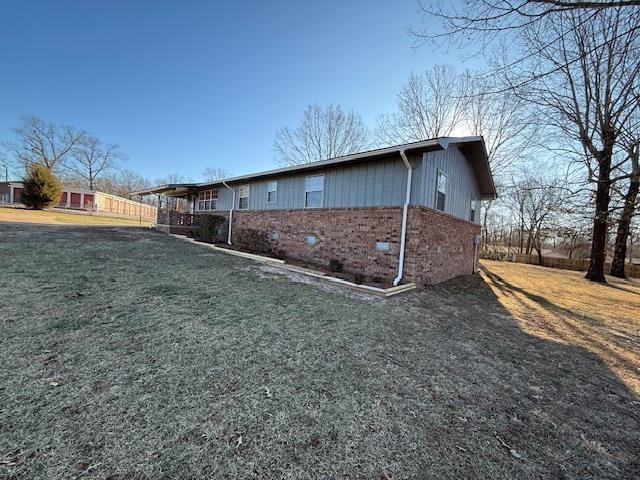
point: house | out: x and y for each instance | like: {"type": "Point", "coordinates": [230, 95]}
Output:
{"type": "Point", "coordinates": [85, 200]}
{"type": "Point", "coordinates": [399, 214]}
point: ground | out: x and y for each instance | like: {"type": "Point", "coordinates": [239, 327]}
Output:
{"type": "Point", "coordinates": [126, 353]}
{"type": "Point", "coordinates": [56, 217]}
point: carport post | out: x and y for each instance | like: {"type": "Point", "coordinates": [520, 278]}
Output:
{"type": "Point", "coordinates": [140, 209]}
{"type": "Point", "coordinates": [157, 210]}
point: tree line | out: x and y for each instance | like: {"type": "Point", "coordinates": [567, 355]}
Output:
{"type": "Point", "coordinates": [80, 159]}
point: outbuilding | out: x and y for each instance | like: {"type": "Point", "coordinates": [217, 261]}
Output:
{"type": "Point", "coordinates": [84, 200]}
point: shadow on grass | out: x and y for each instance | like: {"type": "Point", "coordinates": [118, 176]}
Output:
{"type": "Point", "coordinates": [618, 287]}
{"type": "Point", "coordinates": [553, 392]}
{"type": "Point", "coordinates": [573, 327]}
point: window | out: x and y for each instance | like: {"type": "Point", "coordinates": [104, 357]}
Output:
{"type": "Point", "coordinates": [243, 202]}
{"type": "Point", "coordinates": [472, 213]}
{"type": "Point", "coordinates": [313, 191]}
{"type": "Point", "coordinates": [441, 190]}
{"type": "Point", "coordinates": [208, 199]}
{"type": "Point", "coordinates": [272, 192]}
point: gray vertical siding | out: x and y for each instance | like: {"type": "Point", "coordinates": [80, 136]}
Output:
{"type": "Point", "coordinates": [462, 185]}
{"type": "Point", "coordinates": [373, 184]}
{"type": "Point", "coordinates": [377, 183]}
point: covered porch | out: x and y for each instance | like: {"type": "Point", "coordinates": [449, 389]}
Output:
{"type": "Point", "coordinates": [175, 212]}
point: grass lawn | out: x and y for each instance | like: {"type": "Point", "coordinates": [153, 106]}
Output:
{"type": "Point", "coordinates": [54, 217]}
{"type": "Point", "coordinates": [130, 354]}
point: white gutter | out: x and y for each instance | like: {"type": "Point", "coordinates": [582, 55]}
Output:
{"type": "Point", "coordinates": [233, 204]}
{"type": "Point", "coordinates": [405, 212]}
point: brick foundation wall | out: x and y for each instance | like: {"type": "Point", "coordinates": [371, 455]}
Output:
{"type": "Point", "coordinates": [438, 246]}
{"type": "Point", "coordinates": [348, 235]}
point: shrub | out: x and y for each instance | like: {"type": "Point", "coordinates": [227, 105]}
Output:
{"type": "Point", "coordinates": [41, 187]}
{"type": "Point", "coordinates": [223, 232]}
{"type": "Point", "coordinates": [209, 227]}
{"type": "Point", "coordinates": [335, 265]}
{"type": "Point", "coordinates": [252, 240]}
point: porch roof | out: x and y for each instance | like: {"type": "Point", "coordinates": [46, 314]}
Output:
{"type": "Point", "coordinates": [169, 189]}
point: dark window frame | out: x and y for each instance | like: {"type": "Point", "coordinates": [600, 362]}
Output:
{"type": "Point", "coordinates": [307, 191]}
{"type": "Point", "coordinates": [246, 197]}
{"type": "Point", "coordinates": [441, 191]}
{"type": "Point", "coordinates": [270, 191]}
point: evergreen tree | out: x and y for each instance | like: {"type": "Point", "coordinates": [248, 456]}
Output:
{"type": "Point", "coordinates": [41, 187]}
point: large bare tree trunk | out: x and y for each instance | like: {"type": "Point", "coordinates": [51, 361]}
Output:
{"type": "Point", "coordinates": [620, 251]}
{"type": "Point", "coordinates": [538, 243]}
{"type": "Point", "coordinates": [595, 273]}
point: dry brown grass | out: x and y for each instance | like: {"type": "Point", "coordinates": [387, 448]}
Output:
{"type": "Point", "coordinates": [128, 354]}
{"type": "Point", "coordinates": [561, 306]}
{"type": "Point", "coordinates": [55, 217]}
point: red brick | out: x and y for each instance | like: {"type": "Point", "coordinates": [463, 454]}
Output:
{"type": "Point", "coordinates": [438, 246]}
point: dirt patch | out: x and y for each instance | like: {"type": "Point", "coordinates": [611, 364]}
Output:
{"type": "Point", "coordinates": [131, 354]}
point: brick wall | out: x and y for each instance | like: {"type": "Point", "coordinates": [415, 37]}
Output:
{"type": "Point", "coordinates": [348, 235]}
{"type": "Point", "coordinates": [438, 247]}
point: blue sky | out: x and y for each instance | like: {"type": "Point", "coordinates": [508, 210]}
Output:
{"type": "Point", "coordinates": [182, 85]}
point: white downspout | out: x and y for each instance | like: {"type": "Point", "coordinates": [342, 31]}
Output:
{"type": "Point", "coordinates": [405, 213]}
{"type": "Point", "coordinates": [233, 204]}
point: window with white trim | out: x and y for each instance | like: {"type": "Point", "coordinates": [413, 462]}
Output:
{"type": "Point", "coordinates": [313, 191]}
{"type": "Point", "coordinates": [243, 197]}
{"type": "Point", "coordinates": [208, 199]}
{"type": "Point", "coordinates": [472, 212]}
{"type": "Point", "coordinates": [272, 191]}
{"type": "Point", "coordinates": [441, 190]}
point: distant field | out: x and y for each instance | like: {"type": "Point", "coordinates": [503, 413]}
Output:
{"type": "Point", "coordinates": [22, 215]}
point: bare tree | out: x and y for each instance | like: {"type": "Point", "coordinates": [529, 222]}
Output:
{"type": "Point", "coordinates": [127, 181]}
{"type": "Point", "coordinates": [43, 142]}
{"type": "Point", "coordinates": [544, 198]}
{"type": "Point", "coordinates": [172, 203]}
{"type": "Point", "coordinates": [588, 97]}
{"type": "Point", "coordinates": [430, 105]}
{"type": "Point", "coordinates": [90, 158]}
{"type": "Point", "coordinates": [172, 178]}
{"type": "Point", "coordinates": [5, 165]}
{"type": "Point", "coordinates": [325, 132]}
{"type": "Point", "coordinates": [574, 239]}
{"type": "Point", "coordinates": [211, 174]}
{"type": "Point", "coordinates": [529, 214]}
{"type": "Point", "coordinates": [480, 23]}
{"type": "Point", "coordinates": [630, 206]}
{"type": "Point", "coordinates": [503, 119]}
{"type": "Point", "coordinates": [531, 206]}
